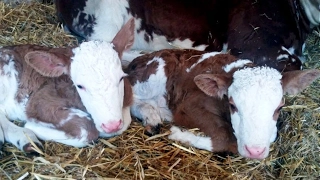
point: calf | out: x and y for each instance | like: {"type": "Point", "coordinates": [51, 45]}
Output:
{"type": "Point", "coordinates": [235, 103]}
{"type": "Point", "coordinates": [68, 95]}
{"type": "Point", "coordinates": [269, 32]}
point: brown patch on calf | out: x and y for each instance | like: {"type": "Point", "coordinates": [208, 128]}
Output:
{"type": "Point", "coordinates": [191, 107]}
{"type": "Point", "coordinates": [294, 82]}
{"type": "Point", "coordinates": [213, 84]}
{"type": "Point", "coordinates": [128, 94]}
{"type": "Point", "coordinates": [48, 64]}
{"type": "Point", "coordinates": [278, 109]}
{"type": "Point", "coordinates": [124, 38]}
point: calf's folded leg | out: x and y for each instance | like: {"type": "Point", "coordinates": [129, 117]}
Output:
{"type": "Point", "coordinates": [149, 114]}
{"type": "Point", "coordinates": [18, 136]}
{"type": "Point", "coordinates": [75, 128]}
{"type": "Point", "coordinates": [219, 133]}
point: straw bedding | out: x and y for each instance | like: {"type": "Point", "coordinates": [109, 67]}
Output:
{"type": "Point", "coordinates": [133, 155]}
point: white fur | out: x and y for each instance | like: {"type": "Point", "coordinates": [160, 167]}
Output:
{"type": "Point", "coordinates": [50, 134]}
{"type": "Point", "coordinates": [190, 138]}
{"type": "Point", "coordinates": [256, 92]}
{"type": "Point", "coordinates": [74, 112]}
{"type": "Point", "coordinates": [16, 135]}
{"type": "Point", "coordinates": [224, 48]}
{"type": "Point", "coordinates": [290, 50]}
{"type": "Point", "coordinates": [8, 89]}
{"type": "Point", "coordinates": [149, 103]}
{"type": "Point", "coordinates": [99, 73]}
{"type": "Point", "coordinates": [187, 43]}
{"type": "Point", "coordinates": [155, 85]}
{"type": "Point", "coordinates": [204, 57]}
{"type": "Point", "coordinates": [282, 56]}
{"type": "Point", "coordinates": [237, 64]}
{"type": "Point", "coordinates": [110, 16]}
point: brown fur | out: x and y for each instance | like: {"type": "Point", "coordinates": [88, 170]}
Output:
{"type": "Point", "coordinates": [127, 99]}
{"type": "Point", "coordinates": [253, 29]}
{"type": "Point", "coordinates": [190, 106]}
{"type": "Point", "coordinates": [49, 98]}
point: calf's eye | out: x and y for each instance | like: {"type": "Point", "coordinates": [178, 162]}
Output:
{"type": "Point", "coordinates": [233, 107]}
{"type": "Point", "coordinates": [121, 79]}
{"type": "Point", "coordinates": [80, 87]}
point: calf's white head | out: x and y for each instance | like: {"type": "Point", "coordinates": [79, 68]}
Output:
{"type": "Point", "coordinates": [95, 69]}
{"type": "Point", "coordinates": [255, 99]}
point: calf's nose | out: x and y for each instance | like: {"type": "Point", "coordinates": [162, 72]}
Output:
{"type": "Point", "coordinates": [112, 126]}
{"type": "Point", "coordinates": [255, 151]}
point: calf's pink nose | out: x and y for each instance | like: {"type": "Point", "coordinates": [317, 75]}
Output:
{"type": "Point", "coordinates": [255, 151]}
{"type": "Point", "coordinates": [112, 126]}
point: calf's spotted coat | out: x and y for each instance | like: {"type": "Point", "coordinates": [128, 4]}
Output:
{"type": "Point", "coordinates": [68, 95]}
{"type": "Point", "coordinates": [234, 102]}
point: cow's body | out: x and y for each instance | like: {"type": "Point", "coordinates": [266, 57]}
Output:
{"type": "Point", "coordinates": [267, 32]}
{"type": "Point", "coordinates": [68, 95]}
{"type": "Point", "coordinates": [235, 103]}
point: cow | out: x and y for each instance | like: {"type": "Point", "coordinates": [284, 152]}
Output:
{"type": "Point", "coordinates": [71, 95]}
{"type": "Point", "coordinates": [235, 103]}
{"type": "Point", "coordinates": [269, 32]}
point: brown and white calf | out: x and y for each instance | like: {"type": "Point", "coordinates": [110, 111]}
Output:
{"type": "Point", "coordinates": [68, 95]}
{"type": "Point", "coordinates": [235, 103]}
{"type": "Point", "coordinates": [269, 32]}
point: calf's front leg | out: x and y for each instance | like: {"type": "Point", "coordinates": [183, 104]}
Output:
{"type": "Point", "coordinates": [18, 136]}
{"type": "Point", "coordinates": [148, 112]}
{"type": "Point", "coordinates": [219, 134]}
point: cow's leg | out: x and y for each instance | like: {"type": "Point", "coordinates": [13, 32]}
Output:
{"type": "Point", "coordinates": [18, 136]}
{"type": "Point", "coordinates": [219, 132]}
{"type": "Point", "coordinates": [75, 128]}
{"type": "Point", "coordinates": [148, 113]}
{"type": "Point", "coordinates": [187, 137]}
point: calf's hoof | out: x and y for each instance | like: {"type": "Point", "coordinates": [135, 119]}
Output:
{"type": "Point", "coordinates": [30, 151]}
{"type": "Point", "coordinates": [152, 130]}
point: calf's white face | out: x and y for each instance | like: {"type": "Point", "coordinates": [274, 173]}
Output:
{"type": "Point", "coordinates": [255, 98]}
{"type": "Point", "coordinates": [96, 72]}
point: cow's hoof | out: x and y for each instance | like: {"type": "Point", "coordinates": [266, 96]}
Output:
{"type": "Point", "coordinates": [30, 151]}
{"type": "Point", "coordinates": [152, 130]}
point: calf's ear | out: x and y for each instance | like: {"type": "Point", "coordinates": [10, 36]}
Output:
{"type": "Point", "coordinates": [124, 38]}
{"type": "Point", "coordinates": [213, 84]}
{"type": "Point", "coordinates": [48, 64]}
{"type": "Point", "coordinates": [294, 82]}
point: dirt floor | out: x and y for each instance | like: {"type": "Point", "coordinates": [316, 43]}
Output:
{"type": "Point", "coordinates": [133, 155]}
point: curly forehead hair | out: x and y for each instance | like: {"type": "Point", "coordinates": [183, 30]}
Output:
{"type": "Point", "coordinates": [251, 76]}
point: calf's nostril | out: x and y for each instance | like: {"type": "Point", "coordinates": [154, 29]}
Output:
{"type": "Point", "coordinates": [255, 151]}
{"type": "Point", "coordinates": [112, 126]}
